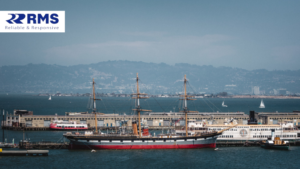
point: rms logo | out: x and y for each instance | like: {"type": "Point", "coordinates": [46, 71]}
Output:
{"type": "Point", "coordinates": [33, 18]}
{"type": "Point", "coordinates": [32, 21]}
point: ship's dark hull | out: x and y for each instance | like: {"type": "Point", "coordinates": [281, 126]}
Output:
{"type": "Point", "coordinates": [272, 146]}
{"type": "Point", "coordinates": [143, 143]}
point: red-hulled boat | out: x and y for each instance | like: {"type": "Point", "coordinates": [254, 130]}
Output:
{"type": "Point", "coordinates": [71, 125]}
{"type": "Point", "coordinates": [142, 140]}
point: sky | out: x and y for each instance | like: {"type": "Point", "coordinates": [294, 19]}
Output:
{"type": "Point", "coordinates": [241, 34]}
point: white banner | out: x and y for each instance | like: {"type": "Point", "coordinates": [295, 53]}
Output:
{"type": "Point", "coordinates": [32, 21]}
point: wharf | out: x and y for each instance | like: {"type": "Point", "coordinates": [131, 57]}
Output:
{"type": "Point", "coordinates": [25, 128]}
{"type": "Point", "coordinates": [90, 128]}
{"type": "Point", "coordinates": [247, 143]}
{"type": "Point", "coordinates": [157, 120]}
{"type": "Point", "coordinates": [7, 145]}
{"type": "Point", "coordinates": [24, 152]}
{"type": "Point", "coordinates": [43, 145]}
{"type": "Point", "coordinates": [237, 143]}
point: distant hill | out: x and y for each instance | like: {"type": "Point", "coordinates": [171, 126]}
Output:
{"type": "Point", "coordinates": [119, 76]}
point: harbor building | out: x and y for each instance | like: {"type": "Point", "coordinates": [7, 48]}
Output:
{"type": "Point", "coordinates": [26, 119]}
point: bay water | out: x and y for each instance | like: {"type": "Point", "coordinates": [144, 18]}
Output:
{"type": "Point", "coordinates": [224, 157]}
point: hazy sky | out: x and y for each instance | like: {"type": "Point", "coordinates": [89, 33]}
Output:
{"type": "Point", "coordinates": [256, 34]}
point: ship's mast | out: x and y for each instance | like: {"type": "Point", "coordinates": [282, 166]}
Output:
{"type": "Point", "coordinates": [138, 97]}
{"type": "Point", "coordinates": [185, 105]}
{"type": "Point", "coordinates": [185, 109]}
{"type": "Point", "coordinates": [94, 107]}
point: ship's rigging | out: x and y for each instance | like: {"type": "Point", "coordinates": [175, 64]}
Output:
{"type": "Point", "coordinates": [94, 108]}
{"type": "Point", "coordinates": [186, 97]}
{"type": "Point", "coordinates": [138, 108]}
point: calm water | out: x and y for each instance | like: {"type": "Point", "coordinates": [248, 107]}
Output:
{"type": "Point", "coordinates": [231, 157]}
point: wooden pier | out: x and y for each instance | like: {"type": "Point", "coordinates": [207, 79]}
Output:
{"type": "Point", "coordinates": [24, 152]}
{"type": "Point", "coordinates": [25, 128]}
{"type": "Point", "coordinates": [90, 128]}
{"type": "Point", "coordinates": [43, 145]}
{"type": "Point", "coordinates": [237, 143]}
{"type": "Point", "coordinates": [248, 143]}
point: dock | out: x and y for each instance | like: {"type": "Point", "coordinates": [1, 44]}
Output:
{"type": "Point", "coordinates": [114, 128]}
{"type": "Point", "coordinates": [156, 121]}
{"type": "Point", "coordinates": [248, 143]}
{"type": "Point", "coordinates": [43, 145]}
{"type": "Point", "coordinates": [7, 145]}
{"type": "Point", "coordinates": [24, 152]}
{"type": "Point", "coordinates": [237, 143]}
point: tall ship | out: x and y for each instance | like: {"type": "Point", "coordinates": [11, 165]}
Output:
{"type": "Point", "coordinates": [142, 139]}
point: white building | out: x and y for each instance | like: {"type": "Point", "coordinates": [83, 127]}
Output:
{"type": "Point", "coordinates": [255, 90]}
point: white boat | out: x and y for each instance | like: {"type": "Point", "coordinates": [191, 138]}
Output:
{"type": "Point", "coordinates": [49, 98]}
{"type": "Point", "coordinates": [223, 104]}
{"type": "Point", "coordinates": [262, 105]}
{"type": "Point", "coordinates": [67, 125]}
{"type": "Point", "coordinates": [244, 132]}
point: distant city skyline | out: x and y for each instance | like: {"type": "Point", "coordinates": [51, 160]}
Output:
{"type": "Point", "coordinates": [119, 77]}
{"type": "Point", "coordinates": [239, 34]}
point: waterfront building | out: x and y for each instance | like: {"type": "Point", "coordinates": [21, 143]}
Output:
{"type": "Point", "coordinates": [152, 119]}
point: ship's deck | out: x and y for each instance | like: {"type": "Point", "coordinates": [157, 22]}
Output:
{"type": "Point", "coordinates": [135, 137]}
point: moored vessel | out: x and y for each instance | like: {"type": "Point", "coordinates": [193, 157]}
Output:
{"type": "Point", "coordinates": [275, 143]}
{"type": "Point", "coordinates": [67, 125]}
{"type": "Point", "coordinates": [252, 131]}
{"type": "Point", "coordinates": [72, 125]}
{"type": "Point", "coordinates": [142, 139]}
